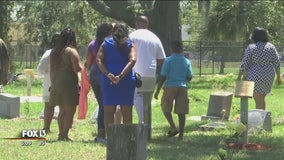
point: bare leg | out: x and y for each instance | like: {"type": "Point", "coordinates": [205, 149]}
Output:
{"type": "Point", "coordinates": [181, 119]}
{"type": "Point", "coordinates": [117, 115]}
{"type": "Point", "coordinates": [169, 118]}
{"type": "Point", "coordinates": [259, 100]}
{"type": "Point", "coordinates": [48, 115]}
{"type": "Point", "coordinates": [126, 112]}
{"type": "Point", "coordinates": [60, 122]}
{"type": "Point", "coordinates": [108, 116]}
{"type": "Point", "coordinates": [68, 120]}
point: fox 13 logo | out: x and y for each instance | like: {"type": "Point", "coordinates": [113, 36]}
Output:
{"type": "Point", "coordinates": [33, 133]}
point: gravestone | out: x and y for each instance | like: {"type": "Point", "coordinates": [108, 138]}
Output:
{"type": "Point", "coordinates": [9, 105]}
{"type": "Point", "coordinates": [94, 116]}
{"type": "Point", "coordinates": [127, 141]}
{"type": "Point", "coordinates": [55, 115]}
{"type": "Point", "coordinates": [212, 126]}
{"type": "Point", "coordinates": [258, 119]}
{"type": "Point", "coordinates": [219, 102]}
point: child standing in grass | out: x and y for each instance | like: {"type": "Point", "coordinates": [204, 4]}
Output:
{"type": "Point", "coordinates": [176, 72]}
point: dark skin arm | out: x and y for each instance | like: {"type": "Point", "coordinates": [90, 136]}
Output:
{"type": "Point", "coordinates": [189, 78]}
{"type": "Point", "coordinates": [75, 60]}
{"type": "Point", "coordinates": [160, 62]}
{"type": "Point", "coordinates": [161, 81]}
{"type": "Point", "coordinates": [116, 78]}
{"type": "Point", "coordinates": [89, 58]}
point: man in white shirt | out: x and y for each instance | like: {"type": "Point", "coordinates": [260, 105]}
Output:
{"type": "Point", "coordinates": [150, 54]}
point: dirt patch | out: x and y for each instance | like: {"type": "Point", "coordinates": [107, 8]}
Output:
{"type": "Point", "coordinates": [248, 146]}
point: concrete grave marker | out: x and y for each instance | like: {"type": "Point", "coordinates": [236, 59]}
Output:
{"type": "Point", "coordinates": [9, 105]}
{"type": "Point", "coordinates": [55, 115]}
{"type": "Point", "coordinates": [258, 119]}
{"type": "Point", "coordinates": [218, 102]}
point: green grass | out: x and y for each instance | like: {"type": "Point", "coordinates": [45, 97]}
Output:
{"type": "Point", "coordinates": [197, 145]}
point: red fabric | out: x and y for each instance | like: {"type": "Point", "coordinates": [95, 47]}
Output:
{"type": "Point", "coordinates": [83, 99]}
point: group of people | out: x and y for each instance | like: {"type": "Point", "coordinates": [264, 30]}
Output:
{"type": "Point", "coordinates": [115, 55]}
{"type": "Point", "coordinates": [113, 58]}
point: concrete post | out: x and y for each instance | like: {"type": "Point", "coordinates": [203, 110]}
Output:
{"type": "Point", "coordinates": [29, 75]}
{"type": "Point", "coordinates": [244, 119]}
{"type": "Point", "coordinates": [127, 142]}
{"type": "Point", "coordinates": [148, 112]}
{"type": "Point", "coordinates": [244, 90]}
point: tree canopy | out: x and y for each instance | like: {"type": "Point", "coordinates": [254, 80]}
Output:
{"type": "Point", "coordinates": [207, 20]}
{"type": "Point", "coordinates": [5, 17]}
{"type": "Point", "coordinates": [235, 20]}
{"type": "Point", "coordinates": [163, 16]}
{"type": "Point", "coordinates": [42, 19]}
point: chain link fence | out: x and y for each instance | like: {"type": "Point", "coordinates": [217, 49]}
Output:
{"type": "Point", "coordinates": [25, 55]}
{"type": "Point", "coordinates": [215, 57]}
{"type": "Point", "coordinates": [207, 57]}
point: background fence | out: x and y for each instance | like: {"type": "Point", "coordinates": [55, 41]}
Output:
{"type": "Point", "coordinates": [28, 56]}
{"type": "Point", "coordinates": [207, 57]}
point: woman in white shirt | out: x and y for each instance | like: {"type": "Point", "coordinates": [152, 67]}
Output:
{"type": "Point", "coordinates": [44, 69]}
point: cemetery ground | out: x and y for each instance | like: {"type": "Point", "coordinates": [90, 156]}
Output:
{"type": "Point", "coordinates": [197, 144]}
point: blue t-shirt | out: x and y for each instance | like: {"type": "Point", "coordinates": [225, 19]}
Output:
{"type": "Point", "coordinates": [176, 68]}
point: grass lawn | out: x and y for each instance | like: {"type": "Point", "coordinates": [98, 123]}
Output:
{"type": "Point", "coordinates": [197, 145]}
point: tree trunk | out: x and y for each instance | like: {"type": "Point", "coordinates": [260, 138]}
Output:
{"type": "Point", "coordinates": [163, 18]}
{"type": "Point", "coordinates": [164, 22]}
{"type": "Point", "coordinates": [222, 66]}
{"type": "Point", "coordinates": [3, 20]}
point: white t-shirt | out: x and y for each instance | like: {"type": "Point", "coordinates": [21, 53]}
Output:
{"type": "Point", "coordinates": [44, 69]}
{"type": "Point", "coordinates": [149, 49]}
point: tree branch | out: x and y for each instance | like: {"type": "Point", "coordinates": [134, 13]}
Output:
{"type": "Point", "coordinates": [114, 9]}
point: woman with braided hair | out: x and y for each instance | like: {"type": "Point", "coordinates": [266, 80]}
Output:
{"type": "Point", "coordinates": [65, 65]}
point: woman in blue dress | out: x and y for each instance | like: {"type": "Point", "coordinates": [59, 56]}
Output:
{"type": "Point", "coordinates": [116, 58]}
{"type": "Point", "coordinates": [259, 64]}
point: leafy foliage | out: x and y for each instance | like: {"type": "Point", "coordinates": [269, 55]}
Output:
{"type": "Point", "coordinates": [5, 7]}
{"type": "Point", "coordinates": [195, 19]}
{"type": "Point", "coordinates": [234, 20]}
{"type": "Point", "coordinates": [43, 18]}
{"type": "Point", "coordinates": [163, 16]}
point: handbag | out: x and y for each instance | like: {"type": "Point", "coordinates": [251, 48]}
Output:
{"type": "Point", "coordinates": [138, 80]}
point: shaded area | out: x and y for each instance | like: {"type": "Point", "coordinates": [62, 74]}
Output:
{"type": "Point", "coordinates": [204, 145]}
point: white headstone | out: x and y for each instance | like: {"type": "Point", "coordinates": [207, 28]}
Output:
{"type": "Point", "coordinates": [10, 105]}
{"type": "Point", "coordinates": [55, 115]}
{"type": "Point", "coordinates": [259, 119]}
{"type": "Point", "coordinates": [94, 116]}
